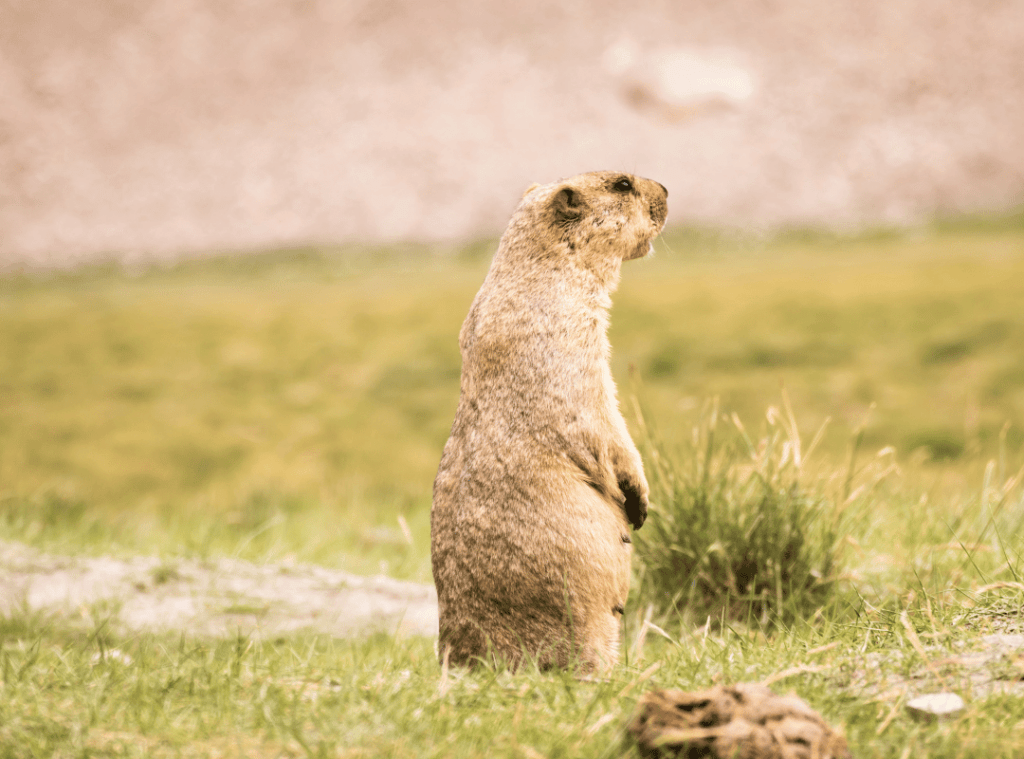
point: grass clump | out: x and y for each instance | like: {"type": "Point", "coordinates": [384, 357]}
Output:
{"type": "Point", "coordinates": [740, 530]}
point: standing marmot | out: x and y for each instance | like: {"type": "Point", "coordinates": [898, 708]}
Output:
{"type": "Point", "coordinates": [540, 480]}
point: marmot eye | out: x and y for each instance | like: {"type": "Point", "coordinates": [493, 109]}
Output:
{"type": "Point", "coordinates": [623, 185]}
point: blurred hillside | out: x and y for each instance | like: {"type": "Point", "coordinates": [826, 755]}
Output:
{"type": "Point", "coordinates": [156, 128]}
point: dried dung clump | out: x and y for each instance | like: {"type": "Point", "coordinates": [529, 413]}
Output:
{"type": "Point", "coordinates": [742, 721]}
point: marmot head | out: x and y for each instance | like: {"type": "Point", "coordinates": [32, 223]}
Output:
{"type": "Point", "coordinates": [601, 218]}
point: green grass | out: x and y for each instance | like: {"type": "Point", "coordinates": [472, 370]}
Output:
{"type": "Point", "coordinates": [73, 692]}
{"type": "Point", "coordinates": [239, 405]}
{"type": "Point", "coordinates": [737, 529]}
{"type": "Point", "coordinates": [294, 405]}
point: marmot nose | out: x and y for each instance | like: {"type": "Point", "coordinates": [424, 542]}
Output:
{"type": "Point", "coordinates": [664, 189]}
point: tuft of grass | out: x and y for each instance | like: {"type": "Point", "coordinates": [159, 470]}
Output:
{"type": "Point", "coordinates": [738, 529]}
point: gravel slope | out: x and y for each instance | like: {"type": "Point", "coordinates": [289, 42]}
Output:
{"type": "Point", "coordinates": [159, 128]}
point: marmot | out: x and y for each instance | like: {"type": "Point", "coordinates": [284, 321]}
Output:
{"type": "Point", "coordinates": [540, 480]}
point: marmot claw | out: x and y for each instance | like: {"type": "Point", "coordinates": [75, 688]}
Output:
{"type": "Point", "coordinates": [635, 505]}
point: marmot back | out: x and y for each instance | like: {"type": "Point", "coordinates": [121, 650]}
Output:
{"type": "Point", "coordinates": [540, 481]}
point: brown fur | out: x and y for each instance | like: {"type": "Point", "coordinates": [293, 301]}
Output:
{"type": "Point", "coordinates": [540, 480]}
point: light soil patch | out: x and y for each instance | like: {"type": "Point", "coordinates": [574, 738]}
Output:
{"type": "Point", "coordinates": [976, 667]}
{"type": "Point", "coordinates": [213, 598]}
{"type": "Point", "coordinates": [227, 597]}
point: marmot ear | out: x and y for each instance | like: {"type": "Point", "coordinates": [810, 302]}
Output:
{"type": "Point", "coordinates": [567, 204]}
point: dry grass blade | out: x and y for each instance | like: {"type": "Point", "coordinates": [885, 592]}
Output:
{"type": "Point", "coordinates": [644, 677]}
{"type": "Point", "coordinates": [444, 684]}
{"type": "Point", "coordinates": [884, 724]}
{"type": "Point", "coordinates": [911, 635]}
{"type": "Point", "coordinates": [800, 669]}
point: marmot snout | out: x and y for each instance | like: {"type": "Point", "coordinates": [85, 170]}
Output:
{"type": "Point", "coordinates": [540, 482]}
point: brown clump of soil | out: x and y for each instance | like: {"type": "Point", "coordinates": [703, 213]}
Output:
{"type": "Point", "coordinates": [742, 721]}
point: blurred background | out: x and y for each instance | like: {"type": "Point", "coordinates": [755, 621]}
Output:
{"type": "Point", "coordinates": [164, 128]}
{"type": "Point", "coordinates": [238, 239]}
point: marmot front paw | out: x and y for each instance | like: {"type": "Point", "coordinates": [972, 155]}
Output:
{"type": "Point", "coordinates": [636, 502]}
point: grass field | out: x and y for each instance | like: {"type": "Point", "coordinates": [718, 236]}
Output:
{"type": "Point", "coordinates": [68, 693]}
{"type": "Point", "coordinates": [294, 405]}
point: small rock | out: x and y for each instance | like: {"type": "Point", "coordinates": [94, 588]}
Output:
{"type": "Point", "coordinates": [935, 706]}
{"type": "Point", "coordinates": [679, 82]}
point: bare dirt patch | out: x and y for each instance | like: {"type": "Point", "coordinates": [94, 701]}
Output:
{"type": "Point", "coordinates": [226, 597]}
{"type": "Point", "coordinates": [213, 598]}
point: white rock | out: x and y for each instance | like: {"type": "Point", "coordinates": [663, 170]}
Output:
{"type": "Point", "coordinates": [935, 706]}
{"type": "Point", "coordinates": [687, 77]}
{"type": "Point", "coordinates": [680, 79]}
